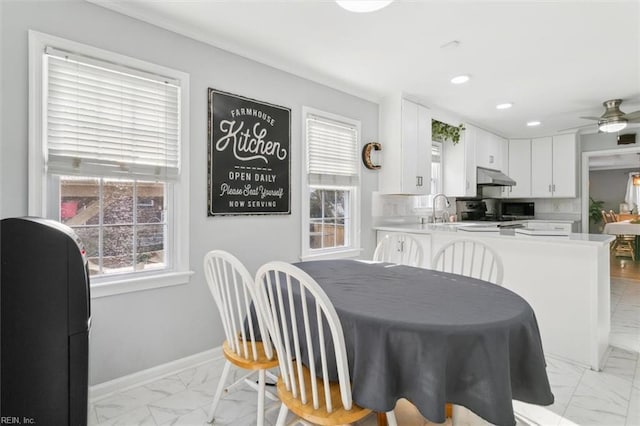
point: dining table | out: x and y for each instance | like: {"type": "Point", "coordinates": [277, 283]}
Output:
{"type": "Point", "coordinates": [623, 227]}
{"type": "Point", "coordinates": [434, 338]}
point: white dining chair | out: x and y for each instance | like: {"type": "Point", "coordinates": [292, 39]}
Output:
{"type": "Point", "coordinates": [301, 319]}
{"type": "Point", "coordinates": [399, 248]}
{"type": "Point", "coordinates": [470, 258]}
{"type": "Point", "coordinates": [233, 291]}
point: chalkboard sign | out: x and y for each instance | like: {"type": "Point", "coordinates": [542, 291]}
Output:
{"type": "Point", "coordinates": [249, 161]}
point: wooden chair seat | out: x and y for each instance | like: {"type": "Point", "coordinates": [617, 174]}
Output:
{"type": "Point", "coordinates": [262, 362]}
{"type": "Point", "coordinates": [320, 416]}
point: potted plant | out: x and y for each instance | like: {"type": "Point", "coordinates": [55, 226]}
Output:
{"type": "Point", "coordinates": [142, 259]}
{"type": "Point", "coordinates": [442, 131]}
{"type": "Point", "coordinates": [595, 213]}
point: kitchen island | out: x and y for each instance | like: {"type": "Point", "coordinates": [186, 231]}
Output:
{"type": "Point", "coordinates": [565, 278]}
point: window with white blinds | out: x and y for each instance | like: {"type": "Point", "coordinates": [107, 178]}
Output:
{"type": "Point", "coordinates": [331, 200]}
{"type": "Point", "coordinates": [108, 151]}
{"type": "Point", "coordinates": [106, 120]}
{"type": "Point", "coordinates": [332, 151]}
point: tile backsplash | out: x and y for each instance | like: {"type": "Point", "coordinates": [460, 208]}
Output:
{"type": "Point", "coordinates": [409, 208]}
{"type": "Point", "coordinates": [406, 208]}
{"type": "Point", "coordinates": [558, 205]}
{"type": "Point", "coordinates": [392, 205]}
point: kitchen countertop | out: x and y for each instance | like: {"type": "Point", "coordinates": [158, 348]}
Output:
{"type": "Point", "coordinates": [429, 228]}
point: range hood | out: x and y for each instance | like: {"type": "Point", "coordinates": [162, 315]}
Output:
{"type": "Point", "coordinates": [491, 177]}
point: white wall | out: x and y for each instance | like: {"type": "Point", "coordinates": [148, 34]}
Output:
{"type": "Point", "coordinates": [139, 330]}
{"type": "Point", "coordinates": [602, 141]}
{"type": "Point", "coordinates": [609, 186]}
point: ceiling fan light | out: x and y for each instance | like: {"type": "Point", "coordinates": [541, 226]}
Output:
{"type": "Point", "coordinates": [363, 6]}
{"type": "Point", "coordinates": [612, 125]}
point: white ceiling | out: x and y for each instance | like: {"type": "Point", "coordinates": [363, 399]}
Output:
{"type": "Point", "coordinates": [554, 60]}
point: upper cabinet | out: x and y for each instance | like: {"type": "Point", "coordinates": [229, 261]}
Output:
{"type": "Point", "coordinates": [541, 167]}
{"type": "Point", "coordinates": [553, 166]}
{"type": "Point", "coordinates": [405, 133]}
{"type": "Point", "coordinates": [564, 166]}
{"type": "Point", "coordinates": [519, 168]}
{"type": "Point", "coordinates": [491, 150]}
{"type": "Point", "coordinates": [459, 165]}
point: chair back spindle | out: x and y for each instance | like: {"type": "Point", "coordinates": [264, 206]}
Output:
{"type": "Point", "coordinates": [608, 217]}
{"type": "Point", "coordinates": [399, 248]}
{"type": "Point", "coordinates": [233, 291]}
{"type": "Point", "coordinates": [469, 258]}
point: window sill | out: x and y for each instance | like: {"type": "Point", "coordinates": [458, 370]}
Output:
{"type": "Point", "coordinates": [129, 285]}
{"type": "Point", "coordinates": [332, 254]}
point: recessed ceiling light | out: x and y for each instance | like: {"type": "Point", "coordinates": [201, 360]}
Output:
{"type": "Point", "coordinates": [533, 123]}
{"type": "Point", "coordinates": [459, 79]}
{"type": "Point", "coordinates": [363, 6]}
{"type": "Point", "coordinates": [505, 105]}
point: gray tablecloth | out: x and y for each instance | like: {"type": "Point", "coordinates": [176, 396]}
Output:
{"type": "Point", "coordinates": [433, 338]}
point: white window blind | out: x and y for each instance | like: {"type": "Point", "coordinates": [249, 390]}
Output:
{"type": "Point", "coordinates": [105, 120]}
{"type": "Point", "coordinates": [436, 152]}
{"type": "Point", "coordinates": [436, 168]}
{"type": "Point", "coordinates": [332, 150]}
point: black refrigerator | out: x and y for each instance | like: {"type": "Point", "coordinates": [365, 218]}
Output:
{"type": "Point", "coordinates": [44, 323]}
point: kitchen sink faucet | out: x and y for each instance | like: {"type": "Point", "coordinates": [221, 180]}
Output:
{"type": "Point", "coordinates": [433, 211]}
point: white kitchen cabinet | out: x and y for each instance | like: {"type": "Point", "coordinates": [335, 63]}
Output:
{"type": "Point", "coordinates": [491, 150]}
{"type": "Point", "coordinates": [503, 153]}
{"type": "Point", "coordinates": [459, 165]}
{"type": "Point", "coordinates": [405, 134]}
{"type": "Point", "coordinates": [546, 225]}
{"type": "Point", "coordinates": [553, 166]}
{"type": "Point", "coordinates": [423, 239]}
{"type": "Point", "coordinates": [541, 167]}
{"type": "Point", "coordinates": [519, 169]}
{"type": "Point", "coordinates": [564, 166]}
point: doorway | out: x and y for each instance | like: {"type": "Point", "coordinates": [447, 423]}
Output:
{"type": "Point", "coordinates": [611, 167]}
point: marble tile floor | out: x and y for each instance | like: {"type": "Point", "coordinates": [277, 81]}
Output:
{"type": "Point", "coordinates": [583, 397]}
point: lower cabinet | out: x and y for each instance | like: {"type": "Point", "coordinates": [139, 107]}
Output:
{"type": "Point", "coordinates": [423, 239]}
{"type": "Point", "coordinates": [555, 226]}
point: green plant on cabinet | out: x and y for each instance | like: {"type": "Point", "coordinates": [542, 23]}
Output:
{"type": "Point", "coordinates": [442, 132]}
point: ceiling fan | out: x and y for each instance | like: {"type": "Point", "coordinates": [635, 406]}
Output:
{"type": "Point", "coordinates": [613, 120]}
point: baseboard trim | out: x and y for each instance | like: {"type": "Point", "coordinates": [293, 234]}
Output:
{"type": "Point", "coordinates": [568, 360]}
{"type": "Point", "coordinates": [102, 390]}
